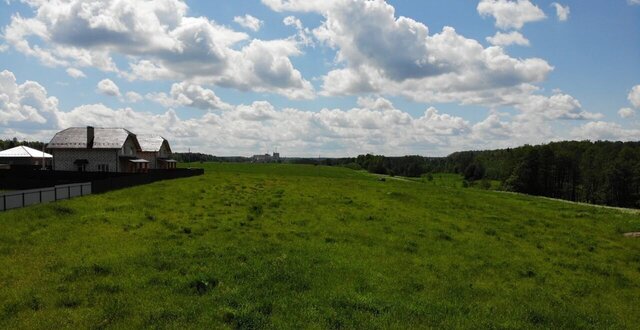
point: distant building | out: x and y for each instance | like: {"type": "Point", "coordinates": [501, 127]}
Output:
{"type": "Point", "coordinates": [24, 156]}
{"type": "Point", "coordinates": [156, 150]}
{"type": "Point", "coordinates": [96, 150]}
{"type": "Point", "coordinates": [266, 158]}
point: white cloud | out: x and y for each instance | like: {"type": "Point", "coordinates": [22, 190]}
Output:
{"type": "Point", "coordinates": [633, 2]}
{"type": "Point", "coordinates": [562, 11]}
{"type": "Point", "coordinates": [510, 14]}
{"type": "Point", "coordinates": [558, 106]}
{"type": "Point", "coordinates": [75, 73]}
{"type": "Point", "coordinates": [600, 130]}
{"type": "Point", "coordinates": [443, 67]}
{"type": "Point", "coordinates": [378, 103]}
{"type": "Point", "coordinates": [634, 96]}
{"type": "Point", "coordinates": [249, 22]}
{"type": "Point", "coordinates": [506, 39]}
{"type": "Point", "coordinates": [108, 87]}
{"type": "Point", "coordinates": [190, 95]}
{"type": "Point", "coordinates": [160, 42]}
{"type": "Point", "coordinates": [25, 105]}
{"type": "Point", "coordinates": [304, 35]}
{"type": "Point", "coordinates": [292, 21]}
{"type": "Point", "coordinates": [626, 112]}
{"type": "Point", "coordinates": [133, 97]}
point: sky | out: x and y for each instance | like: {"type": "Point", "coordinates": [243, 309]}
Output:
{"type": "Point", "coordinates": [326, 78]}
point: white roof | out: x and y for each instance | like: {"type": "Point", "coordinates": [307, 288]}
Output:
{"type": "Point", "coordinates": [23, 152]}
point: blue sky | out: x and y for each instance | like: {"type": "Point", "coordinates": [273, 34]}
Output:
{"type": "Point", "coordinates": [337, 77]}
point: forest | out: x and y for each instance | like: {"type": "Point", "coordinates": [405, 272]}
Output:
{"type": "Point", "coordinates": [11, 143]}
{"type": "Point", "coordinates": [602, 172]}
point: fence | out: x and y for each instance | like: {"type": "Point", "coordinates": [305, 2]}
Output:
{"type": "Point", "coordinates": [49, 186]}
{"type": "Point", "coordinates": [102, 181]}
{"type": "Point", "coordinates": [17, 199]}
{"type": "Point", "coordinates": [119, 182]}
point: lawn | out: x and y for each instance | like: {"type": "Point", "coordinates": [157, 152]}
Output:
{"type": "Point", "coordinates": [286, 246]}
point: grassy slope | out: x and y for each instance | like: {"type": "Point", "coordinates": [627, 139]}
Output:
{"type": "Point", "coordinates": [278, 246]}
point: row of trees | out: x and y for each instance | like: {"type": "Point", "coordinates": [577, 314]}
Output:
{"type": "Point", "coordinates": [11, 143]}
{"type": "Point", "coordinates": [594, 172]}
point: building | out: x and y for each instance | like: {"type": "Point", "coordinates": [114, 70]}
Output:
{"type": "Point", "coordinates": [266, 158]}
{"type": "Point", "coordinates": [96, 150]}
{"type": "Point", "coordinates": [157, 151]}
{"type": "Point", "coordinates": [25, 156]}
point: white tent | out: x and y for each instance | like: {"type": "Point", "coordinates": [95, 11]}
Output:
{"type": "Point", "coordinates": [24, 152]}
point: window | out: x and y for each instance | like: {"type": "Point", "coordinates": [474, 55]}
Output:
{"type": "Point", "coordinates": [103, 167]}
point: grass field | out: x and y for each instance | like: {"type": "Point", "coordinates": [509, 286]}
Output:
{"type": "Point", "coordinates": [283, 246]}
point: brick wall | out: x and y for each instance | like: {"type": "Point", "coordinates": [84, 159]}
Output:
{"type": "Point", "coordinates": [63, 159]}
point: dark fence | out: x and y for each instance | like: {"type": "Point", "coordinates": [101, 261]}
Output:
{"type": "Point", "coordinates": [21, 179]}
{"type": "Point", "coordinates": [17, 199]}
{"type": "Point", "coordinates": [119, 182]}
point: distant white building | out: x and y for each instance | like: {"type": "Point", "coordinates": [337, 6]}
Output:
{"type": "Point", "coordinates": [266, 158]}
{"type": "Point", "coordinates": [23, 155]}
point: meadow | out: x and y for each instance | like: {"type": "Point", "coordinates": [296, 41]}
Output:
{"type": "Point", "coordinates": [294, 246]}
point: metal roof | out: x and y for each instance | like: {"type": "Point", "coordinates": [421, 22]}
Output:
{"type": "Point", "coordinates": [103, 138]}
{"type": "Point", "coordinates": [151, 143]}
{"type": "Point", "coordinates": [23, 152]}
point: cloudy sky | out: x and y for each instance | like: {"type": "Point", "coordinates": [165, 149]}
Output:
{"type": "Point", "coordinates": [324, 77]}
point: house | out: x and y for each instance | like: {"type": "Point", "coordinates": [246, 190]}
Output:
{"type": "Point", "coordinates": [157, 151]}
{"type": "Point", "coordinates": [25, 156]}
{"type": "Point", "coordinates": [96, 150]}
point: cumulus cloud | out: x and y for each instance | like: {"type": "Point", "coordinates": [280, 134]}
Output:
{"type": "Point", "coordinates": [443, 67]}
{"type": "Point", "coordinates": [304, 35]}
{"type": "Point", "coordinates": [506, 39]}
{"type": "Point", "coordinates": [25, 105]}
{"type": "Point", "coordinates": [249, 22]}
{"type": "Point", "coordinates": [75, 73]}
{"type": "Point", "coordinates": [600, 130]}
{"type": "Point", "coordinates": [160, 42]}
{"type": "Point", "coordinates": [634, 96]}
{"type": "Point", "coordinates": [133, 97]}
{"type": "Point", "coordinates": [510, 14]}
{"type": "Point", "coordinates": [190, 95]}
{"type": "Point", "coordinates": [561, 11]}
{"type": "Point", "coordinates": [626, 113]}
{"type": "Point", "coordinates": [292, 21]}
{"type": "Point", "coordinates": [557, 106]}
{"type": "Point", "coordinates": [108, 87]}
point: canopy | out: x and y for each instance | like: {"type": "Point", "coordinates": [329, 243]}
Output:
{"type": "Point", "coordinates": [23, 152]}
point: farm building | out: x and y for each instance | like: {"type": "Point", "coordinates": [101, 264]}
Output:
{"type": "Point", "coordinates": [157, 151]}
{"type": "Point", "coordinates": [24, 156]}
{"type": "Point", "coordinates": [96, 150]}
{"type": "Point", "coordinates": [266, 158]}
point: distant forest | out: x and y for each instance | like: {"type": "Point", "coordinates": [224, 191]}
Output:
{"type": "Point", "coordinates": [8, 144]}
{"type": "Point", "coordinates": [600, 172]}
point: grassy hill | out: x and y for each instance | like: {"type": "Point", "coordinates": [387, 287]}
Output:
{"type": "Point", "coordinates": [286, 246]}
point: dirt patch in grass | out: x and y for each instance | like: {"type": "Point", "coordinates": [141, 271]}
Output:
{"type": "Point", "coordinates": [633, 234]}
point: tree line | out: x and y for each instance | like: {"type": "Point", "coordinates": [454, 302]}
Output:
{"type": "Point", "coordinates": [600, 172]}
{"type": "Point", "coordinates": [11, 143]}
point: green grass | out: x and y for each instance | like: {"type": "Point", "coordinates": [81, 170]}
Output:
{"type": "Point", "coordinates": [284, 246]}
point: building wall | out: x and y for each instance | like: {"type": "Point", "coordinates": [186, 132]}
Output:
{"type": "Point", "coordinates": [63, 159]}
{"type": "Point", "coordinates": [151, 157]}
